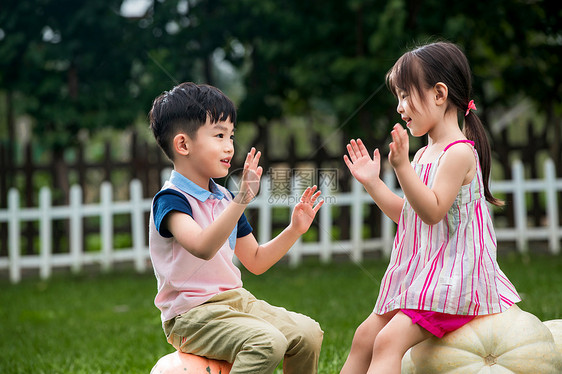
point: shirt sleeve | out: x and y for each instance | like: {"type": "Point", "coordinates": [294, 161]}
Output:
{"type": "Point", "coordinates": [165, 202]}
{"type": "Point", "coordinates": [169, 200]}
{"type": "Point", "coordinates": [244, 227]}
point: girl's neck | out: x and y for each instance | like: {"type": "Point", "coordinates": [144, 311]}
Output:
{"type": "Point", "coordinates": [439, 137]}
{"type": "Point", "coordinates": [444, 133]}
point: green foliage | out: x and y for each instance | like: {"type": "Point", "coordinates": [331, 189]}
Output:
{"type": "Point", "coordinates": [81, 65]}
{"type": "Point", "coordinates": [68, 66]}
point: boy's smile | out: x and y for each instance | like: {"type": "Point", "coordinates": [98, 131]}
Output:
{"type": "Point", "coordinates": [226, 161]}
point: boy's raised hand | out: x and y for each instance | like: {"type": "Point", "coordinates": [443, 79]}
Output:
{"type": "Point", "coordinates": [305, 211]}
{"type": "Point", "coordinates": [364, 168]}
{"type": "Point", "coordinates": [251, 176]}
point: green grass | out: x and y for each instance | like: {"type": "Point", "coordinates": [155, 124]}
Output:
{"type": "Point", "coordinates": [107, 323]}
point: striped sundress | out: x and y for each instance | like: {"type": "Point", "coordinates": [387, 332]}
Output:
{"type": "Point", "coordinates": [449, 267]}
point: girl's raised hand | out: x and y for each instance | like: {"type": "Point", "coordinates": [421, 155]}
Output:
{"type": "Point", "coordinates": [399, 148]}
{"type": "Point", "coordinates": [251, 176]}
{"type": "Point", "coordinates": [360, 164]}
{"type": "Point", "coordinates": [305, 211]}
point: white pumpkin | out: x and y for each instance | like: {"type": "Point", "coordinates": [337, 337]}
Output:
{"type": "Point", "coordinates": [555, 327]}
{"type": "Point", "coordinates": [407, 363]}
{"type": "Point", "coordinates": [511, 342]}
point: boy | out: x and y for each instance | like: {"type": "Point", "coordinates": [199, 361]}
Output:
{"type": "Point", "coordinates": [195, 228]}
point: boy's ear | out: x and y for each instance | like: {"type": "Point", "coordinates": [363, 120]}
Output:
{"type": "Point", "coordinates": [441, 93]}
{"type": "Point", "coordinates": [181, 144]}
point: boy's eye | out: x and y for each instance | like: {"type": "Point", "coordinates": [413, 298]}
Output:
{"type": "Point", "coordinates": [220, 135]}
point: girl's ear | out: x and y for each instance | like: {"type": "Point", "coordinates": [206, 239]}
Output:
{"type": "Point", "coordinates": [441, 93]}
{"type": "Point", "coordinates": [181, 144]}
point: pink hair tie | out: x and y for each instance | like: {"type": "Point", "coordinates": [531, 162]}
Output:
{"type": "Point", "coordinates": [470, 106]}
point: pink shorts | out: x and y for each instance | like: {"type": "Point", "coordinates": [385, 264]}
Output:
{"type": "Point", "coordinates": [437, 323]}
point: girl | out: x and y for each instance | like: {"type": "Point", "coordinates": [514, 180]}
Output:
{"type": "Point", "coordinates": [443, 270]}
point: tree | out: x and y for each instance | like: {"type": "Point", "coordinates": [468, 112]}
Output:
{"type": "Point", "coordinates": [337, 53]}
{"type": "Point", "coordinates": [64, 61]}
{"type": "Point", "coordinates": [81, 65]}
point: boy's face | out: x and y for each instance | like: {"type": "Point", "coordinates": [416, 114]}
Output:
{"type": "Point", "coordinates": [211, 150]}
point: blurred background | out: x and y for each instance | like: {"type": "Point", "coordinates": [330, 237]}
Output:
{"type": "Point", "coordinates": [77, 79]}
{"type": "Point", "coordinates": [78, 166]}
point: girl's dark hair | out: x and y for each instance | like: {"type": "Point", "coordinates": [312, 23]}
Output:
{"type": "Point", "coordinates": [185, 108]}
{"type": "Point", "coordinates": [423, 68]}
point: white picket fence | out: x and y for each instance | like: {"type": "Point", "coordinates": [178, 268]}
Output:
{"type": "Point", "coordinates": [325, 248]}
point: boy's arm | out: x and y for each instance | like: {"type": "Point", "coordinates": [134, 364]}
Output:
{"type": "Point", "coordinates": [367, 171]}
{"type": "Point", "coordinates": [258, 258]}
{"type": "Point", "coordinates": [205, 243]}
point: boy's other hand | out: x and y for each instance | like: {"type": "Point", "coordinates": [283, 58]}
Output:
{"type": "Point", "coordinates": [305, 211]}
{"type": "Point", "coordinates": [251, 176]}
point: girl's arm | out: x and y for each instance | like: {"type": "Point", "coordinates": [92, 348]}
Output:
{"type": "Point", "coordinates": [367, 171]}
{"type": "Point", "coordinates": [205, 243]}
{"type": "Point", "coordinates": [259, 258]}
{"type": "Point", "coordinates": [456, 168]}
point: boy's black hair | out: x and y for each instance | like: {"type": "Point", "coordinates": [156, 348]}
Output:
{"type": "Point", "coordinates": [185, 108]}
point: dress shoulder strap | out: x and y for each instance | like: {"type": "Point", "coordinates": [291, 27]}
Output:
{"type": "Point", "coordinates": [421, 154]}
{"type": "Point", "coordinates": [458, 141]}
{"type": "Point", "coordinates": [478, 174]}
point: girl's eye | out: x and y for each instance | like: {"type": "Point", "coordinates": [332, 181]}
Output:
{"type": "Point", "coordinates": [231, 137]}
{"type": "Point", "coordinates": [220, 136]}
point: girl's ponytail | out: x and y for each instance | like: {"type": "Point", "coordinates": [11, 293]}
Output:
{"type": "Point", "coordinates": [474, 130]}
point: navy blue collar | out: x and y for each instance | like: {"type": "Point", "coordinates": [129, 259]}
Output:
{"type": "Point", "coordinates": [194, 190]}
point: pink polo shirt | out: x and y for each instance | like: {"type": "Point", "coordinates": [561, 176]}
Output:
{"type": "Point", "coordinates": [186, 281]}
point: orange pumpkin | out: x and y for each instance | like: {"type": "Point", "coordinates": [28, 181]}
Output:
{"type": "Point", "coordinates": [185, 363]}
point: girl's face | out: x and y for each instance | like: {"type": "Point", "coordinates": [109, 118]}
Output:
{"type": "Point", "coordinates": [415, 110]}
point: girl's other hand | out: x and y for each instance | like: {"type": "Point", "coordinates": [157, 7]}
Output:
{"type": "Point", "coordinates": [364, 168]}
{"type": "Point", "coordinates": [399, 148]}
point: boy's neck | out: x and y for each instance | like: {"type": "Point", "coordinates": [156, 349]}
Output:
{"type": "Point", "coordinates": [201, 181]}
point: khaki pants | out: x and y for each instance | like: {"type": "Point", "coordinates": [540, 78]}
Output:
{"type": "Point", "coordinates": [236, 327]}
